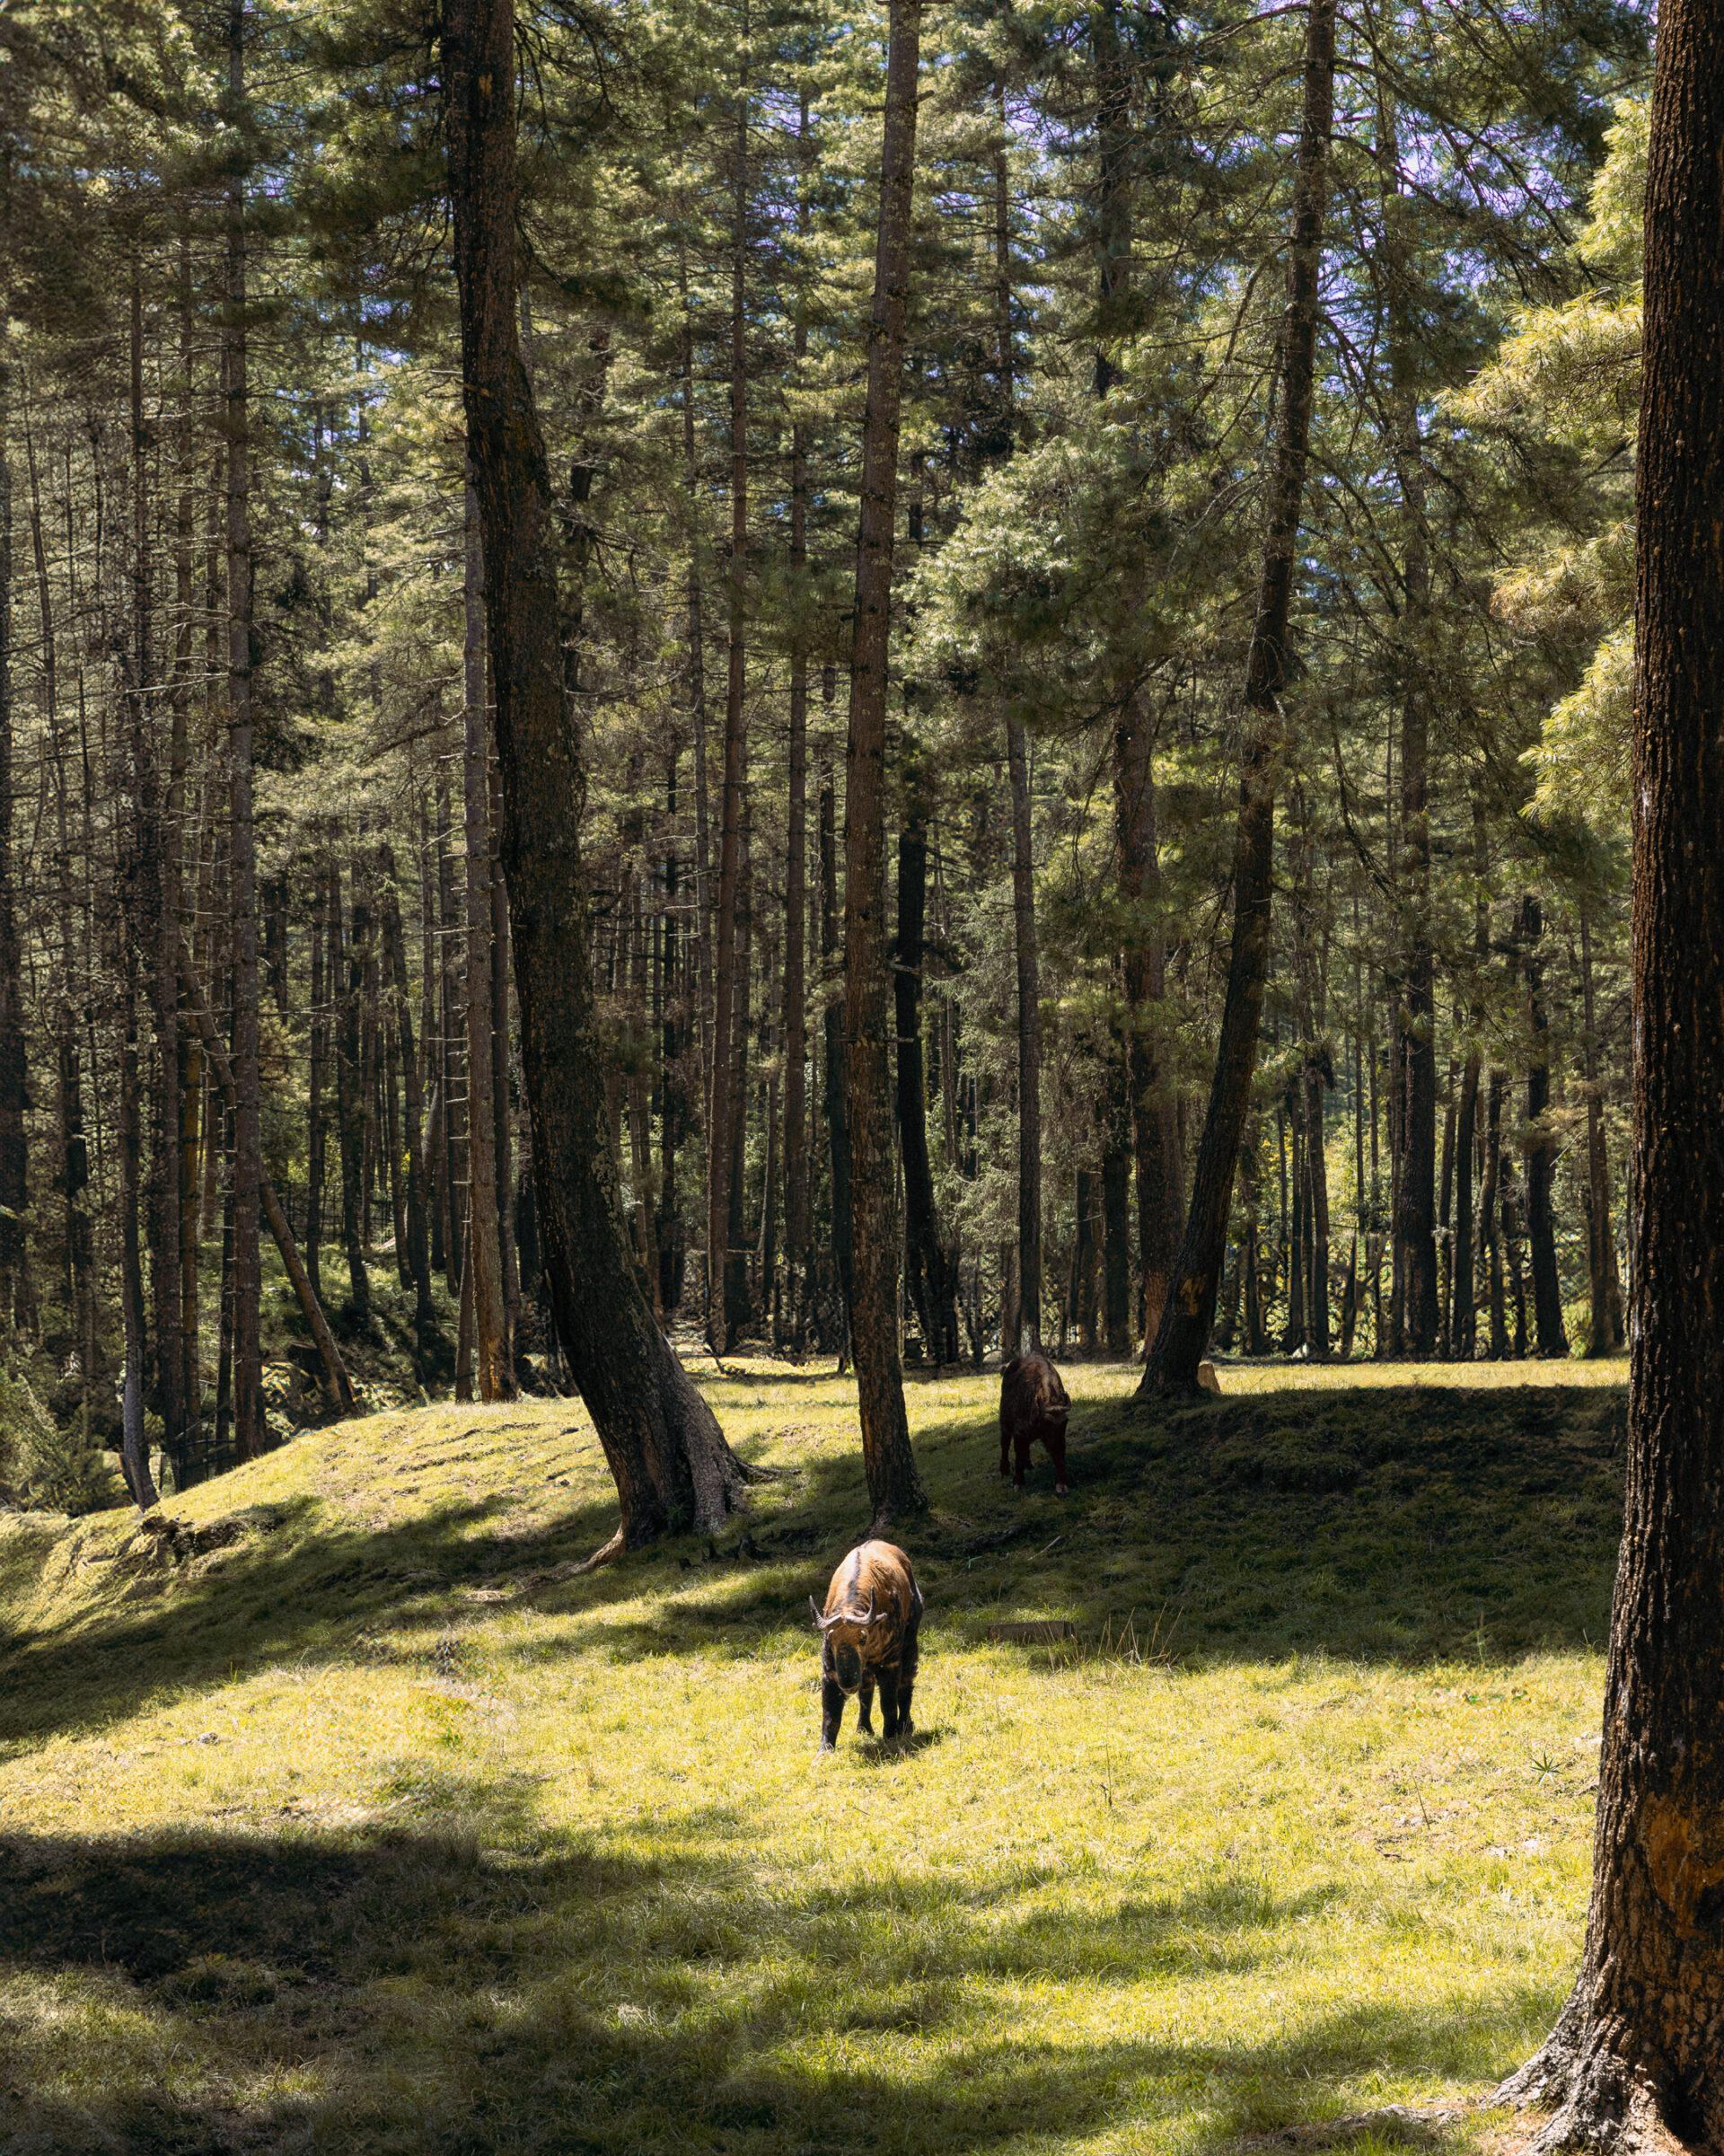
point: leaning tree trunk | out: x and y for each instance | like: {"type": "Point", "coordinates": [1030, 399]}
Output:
{"type": "Point", "coordinates": [1183, 1336]}
{"type": "Point", "coordinates": [1635, 2061]}
{"type": "Point", "coordinates": [664, 1446]}
{"type": "Point", "coordinates": [895, 1486]}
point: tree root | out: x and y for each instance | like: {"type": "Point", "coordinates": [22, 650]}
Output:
{"type": "Point", "coordinates": [606, 1554]}
{"type": "Point", "coordinates": [1597, 2100]}
{"type": "Point", "coordinates": [1408, 2121]}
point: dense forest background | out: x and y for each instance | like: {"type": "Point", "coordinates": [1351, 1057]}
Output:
{"type": "Point", "coordinates": [255, 961]}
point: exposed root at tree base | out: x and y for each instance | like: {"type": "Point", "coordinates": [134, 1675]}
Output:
{"type": "Point", "coordinates": [1405, 2122]}
{"type": "Point", "coordinates": [606, 1554]}
{"type": "Point", "coordinates": [1592, 2100]}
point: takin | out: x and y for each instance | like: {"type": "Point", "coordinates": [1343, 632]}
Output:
{"type": "Point", "coordinates": [867, 1637]}
{"type": "Point", "coordinates": [1032, 1404]}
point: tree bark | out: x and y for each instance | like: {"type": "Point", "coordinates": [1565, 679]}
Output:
{"type": "Point", "coordinates": [243, 860]}
{"type": "Point", "coordinates": [929, 1275]}
{"type": "Point", "coordinates": [1605, 1330]}
{"type": "Point", "coordinates": [483, 1252]}
{"type": "Point", "coordinates": [1541, 1146]}
{"type": "Point", "coordinates": [1635, 2061]}
{"type": "Point", "coordinates": [894, 1484]}
{"type": "Point", "coordinates": [726, 1103]}
{"type": "Point", "coordinates": [838, 1121]}
{"type": "Point", "coordinates": [665, 1451]}
{"type": "Point", "coordinates": [795, 869]}
{"type": "Point", "coordinates": [14, 1157]}
{"type": "Point", "coordinates": [346, 963]}
{"type": "Point", "coordinates": [1183, 1336]}
{"type": "Point", "coordinates": [337, 1385]}
{"type": "Point", "coordinates": [1029, 1045]}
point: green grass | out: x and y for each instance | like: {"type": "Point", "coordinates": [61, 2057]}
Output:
{"type": "Point", "coordinates": [364, 1826]}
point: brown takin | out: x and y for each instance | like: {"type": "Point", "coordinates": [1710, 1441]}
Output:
{"type": "Point", "coordinates": [867, 1637]}
{"type": "Point", "coordinates": [1032, 1404]}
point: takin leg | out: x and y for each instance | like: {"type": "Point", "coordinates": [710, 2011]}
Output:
{"type": "Point", "coordinates": [1022, 1463]}
{"type": "Point", "coordinates": [1054, 1438]}
{"type": "Point", "coordinates": [1005, 1449]}
{"type": "Point", "coordinates": [864, 1701]}
{"type": "Point", "coordinates": [831, 1712]}
{"type": "Point", "coordinates": [907, 1676]}
{"type": "Point", "coordinates": [889, 1700]}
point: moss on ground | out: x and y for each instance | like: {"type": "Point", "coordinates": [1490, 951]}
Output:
{"type": "Point", "coordinates": [356, 1821]}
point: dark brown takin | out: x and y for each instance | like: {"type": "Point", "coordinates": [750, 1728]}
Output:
{"type": "Point", "coordinates": [1032, 1404]}
{"type": "Point", "coordinates": [867, 1637]}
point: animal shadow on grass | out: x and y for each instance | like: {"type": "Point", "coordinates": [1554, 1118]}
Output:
{"type": "Point", "coordinates": [549, 1995]}
{"type": "Point", "coordinates": [877, 1752]}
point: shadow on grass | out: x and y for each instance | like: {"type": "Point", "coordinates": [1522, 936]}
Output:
{"type": "Point", "coordinates": [414, 1992]}
{"type": "Point", "coordinates": [1406, 1525]}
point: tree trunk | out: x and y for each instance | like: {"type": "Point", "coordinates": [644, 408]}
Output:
{"type": "Point", "coordinates": [894, 1485]}
{"type": "Point", "coordinates": [1184, 1335]}
{"type": "Point", "coordinates": [1635, 2061]}
{"type": "Point", "coordinates": [1415, 1015]}
{"type": "Point", "coordinates": [242, 862]}
{"type": "Point", "coordinates": [838, 1121]}
{"type": "Point", "coordinates": [14, 1157]}
{"type": "Point", "coordinates": [337, 1386]}
{"type": "Point", "coordinates": [928, 1276]}
{"type": "Point", "coordinates": [796, 871]}
{"type": "Point", "coordinates": [669, 1458]}
{"type": "Point", "coordinates": [483, 1251]}
{"type": "Point", "coordinates": [1029, 1046]}
{"type": "Point", "coordinates": [726, 1103]}
{"type": "Point", "coordinates": [1541, 1147]}
{"type": "Point", "coordinates": [1141, 975]}
{"type": "Point", "coordinates": [316, 1133]}
{"type": "Point", "coordinates": [1606, 1333]}
{"type": "Point", "coordinates": [419, 1253]}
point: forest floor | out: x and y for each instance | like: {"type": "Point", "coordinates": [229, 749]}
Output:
{"type": "Point", "coordinates": [360, 1824]}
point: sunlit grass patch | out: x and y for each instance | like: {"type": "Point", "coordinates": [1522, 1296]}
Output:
{"type": "Point", "coordinates": [370, 1824]}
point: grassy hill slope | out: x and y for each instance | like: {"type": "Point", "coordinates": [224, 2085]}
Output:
{"type": "Point", "coordinates": [357, 1822]}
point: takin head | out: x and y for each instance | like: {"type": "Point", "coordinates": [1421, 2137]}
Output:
{"type": "Point", "coordinates": [1032, 1404]}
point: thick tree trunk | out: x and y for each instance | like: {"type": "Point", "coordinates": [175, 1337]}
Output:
{"type": "Point", "coordinates": [894, 1485]}
{"type": "Point", "coordinates": [669, 1458]}
{"type": "Point", "coordinates": [1183, 1336]}
{"type": "Point", "coordinates": [1635, 2061]}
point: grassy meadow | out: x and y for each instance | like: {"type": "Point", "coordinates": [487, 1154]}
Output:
{"type": "Point", "coordinates": [359, 1823]}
